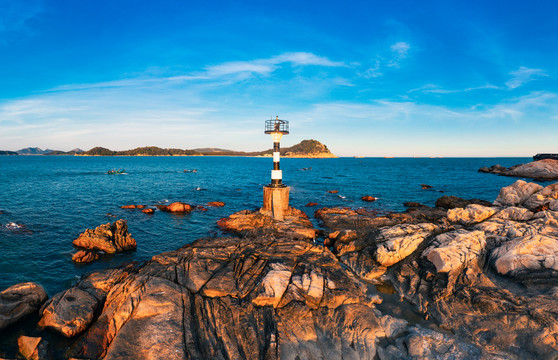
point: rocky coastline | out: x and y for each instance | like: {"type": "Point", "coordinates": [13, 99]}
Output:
{"type": "Point", "coordinates": [540, 170]}
{"type": "Point", "coordinates": [466, 279]}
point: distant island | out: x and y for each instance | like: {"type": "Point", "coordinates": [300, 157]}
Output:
{"type": "Point", "coordinates": [304, 149]}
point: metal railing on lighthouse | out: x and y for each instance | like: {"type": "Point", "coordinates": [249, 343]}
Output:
{"type": "Point", "coordinates": [276, 194]}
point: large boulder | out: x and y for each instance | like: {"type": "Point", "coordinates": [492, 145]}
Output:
{"type": "Point", "coordinates": [20, 300]}
{"type": "Point", "coordinates": [472, 214]}
{"type": "Point", "coordinates": [110, 238]}
{"type": "Point", "coordinates": [546, 169]}
{"type": "Point", "coordinates": [535, 252]}
{"type": "Point", "coordinates": [454, 250]}
{"type": "Point", "coordinates": [516, 194]}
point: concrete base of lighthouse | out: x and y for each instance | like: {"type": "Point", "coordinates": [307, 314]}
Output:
{"type": "Point", "coordinates": [276, 201]}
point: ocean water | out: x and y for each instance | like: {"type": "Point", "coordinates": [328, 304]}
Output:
{"type": "Point", "coordinates": [56, 198]}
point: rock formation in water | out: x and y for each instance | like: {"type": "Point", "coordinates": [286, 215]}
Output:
{"type": "Point", "coordinates": [546, 169]}
{"type": "Point", "coordinates": [110, 238]}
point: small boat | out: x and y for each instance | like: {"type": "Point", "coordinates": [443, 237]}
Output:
{"type": "Point", "coordinates": [116, 172]}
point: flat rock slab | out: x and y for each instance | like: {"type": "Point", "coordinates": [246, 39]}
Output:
{"type": "Point", "coordinates": [257, 223]}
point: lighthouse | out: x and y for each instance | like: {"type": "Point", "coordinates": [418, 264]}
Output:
{"type": "Point", "coordinates": [276, 194]}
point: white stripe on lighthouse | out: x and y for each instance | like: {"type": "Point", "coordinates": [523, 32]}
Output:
{"type": "Point", "coordinates": [276, 174]}
{"type": "Point", "coordinates": [275, 157]}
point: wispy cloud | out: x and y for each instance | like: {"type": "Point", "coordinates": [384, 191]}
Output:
{"type": "Point", "coordinates": [435, 89]}
{"type": "Point", "coordinates": [399, 51]}
{"type": "Point", "coordinates": [524, 75]}
{"type": "Point", "coordinates": [391, 58]}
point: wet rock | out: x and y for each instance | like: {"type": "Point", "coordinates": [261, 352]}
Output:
{"type": "Point", "coordinates": [311, 204]}
{"type": "Point", "coordinates": [216, 203]}
{"type": "Point", "coordinates": [411, 204]}
{"type": "Point", "coordinates": [454, 250]}
{"type": "Point", "coordinates": [33, 348]}
{"type": "Point", "coordinates": [237, 298]}
{"type": "Point", "coordinates": [426, 186]}
{"type": "Point", "coordinates": [257, 223]}
{"type": "Point", "coordinates": [451, 202]}
{"type": "Point", "coordinates": [177, 207]}
{"type": "Point", "coordinates": [133, 206]}
{"type": "Point", "coordinates": [333, 191]}
{"type": "Point", "coordinates": [149, 211]}
{"type": "Point", "coordinates": [368, 198]}
{"type": "Point", "coordinates": [20, 300]}
{"type": "Point", "coordinates": [110, 238]}
{"type": "Point", "coordinates": [494, 169]}
{"type": "Point", "coordinates": [84, 256]}
{"type": "Point", "coordinates": [472, 214]}
{"type": "Point", "coordinates": [69, 312]}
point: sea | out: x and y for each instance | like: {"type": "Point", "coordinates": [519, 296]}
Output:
{"type": "Point", "coordinates": [48, 201]}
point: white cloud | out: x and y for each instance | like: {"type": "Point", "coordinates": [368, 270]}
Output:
{"type": "Point", "coordinates": [399, 52]}
{"type": "Point", "coordinates": [524, 75]}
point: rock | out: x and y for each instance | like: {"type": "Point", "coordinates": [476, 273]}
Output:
{"type": "Point", "coordinates": [133, 206]}
{"type": "Point", "coordinates": [20, 300]}
{"type": "Point", "coordinates": [216, 203]}
{"type": "Point", "coordinates": [472, 214]}
{"type": "Point", "coordinates": [368, 198]}
{"type": "Point", "coordinates": [546, 169]}
{"type": "Point", "coordinates": [451, 202]}
{"type": "Point", "coordinates": [69, 312]}
{"type": "Point", "coordinates": [396, 243]}
{"type": "Point", "coordinates": [257, 223]}
{"type": "Point", "coordinates": [110, 238]}
{"type": "Point", "coordinates": [233, 298]}
{"type": "Point", "coordinates": [517, 193]}
{"type": "Point", "coordinates": [176, 207]}
{"type": "Point", "coordinates": [534, 252]}
{"type": "Point", "coordinates": [410, 204]}
{"type": "Point", "coordinates": [201, 208]}
{"type": "Point", "coordinates": [333, 191]}
{"type": "Point", "coordinates": [149, 211]}
{"type": "Point", "coordinates": [311, 204]}
{"type": "Point", "coordinates": [515, 213]}
{"type": "Point", "coordinates": [456, 249]}
{"type": "Point", "coordinates": [425, 186]}
{"type": "Point", "coordinates": [33, 348]}
{"type": "Point", "coordinates": [84, 256]}
{"type": "Point", "coordinates": [428, 344]}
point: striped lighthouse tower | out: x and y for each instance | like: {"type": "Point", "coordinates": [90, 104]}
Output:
{"type": "Point", "coordinates": [276, 194]}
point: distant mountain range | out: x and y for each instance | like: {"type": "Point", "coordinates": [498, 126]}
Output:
{"type": "Point", "coordinates": [306, 148]}
{"type": "Point", "coordinates": [39, 151]}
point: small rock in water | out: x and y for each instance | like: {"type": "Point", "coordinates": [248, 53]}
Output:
{"type": "Point", "coordinates": [84, 256]}
{"type": "Point", "coordinates": [311, 204]}
{"type": "Point", "coordinates": [368, 198]}
{"type": "Point", "coordinates": [177, 207]}
{"type": "Point", "coordinates": [148, 211]}
{"type": "Point", "coordinates": [216, 203]}
{"type": "Point", "coordinates": [333, 191]}
{"type": "Point", "coordinates": [425, 186]}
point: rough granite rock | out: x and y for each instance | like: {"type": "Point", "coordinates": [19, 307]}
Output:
{"type": "Point", "coordinates": [546, 169]}
{"type": "Point", "coordinates": [472, 214]}
{"type": "Point", "coordinates": [397, 242]}
{"type": "Point", "coordinates": [232, 298]}
{"type": "Point", "coordinates": [258, 223]}
{"type": "Point", "coordinates": [84, 256]}
{"type": "Point", "coordinates": [110, 238]}
{"type": "Point", "coordinates": [517, 193]}
{"type": "Point", "coordinates": [534, 252]}
{"type": "Point", "coordinates": [454, 250]}
{"type": "Point", "coordinates": [177, 207]}
{"type": "Point", "coordinates": [69, 312]}
{"type": "Point", "coordinates": [451, 202]}
{"type": "Point", "coordinates": [20, 300]}
{"type": "Point", "coordinates": [33, 348]}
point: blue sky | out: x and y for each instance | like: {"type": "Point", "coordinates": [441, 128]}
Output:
{"type": "Point", "coordinates": [369, 78]}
